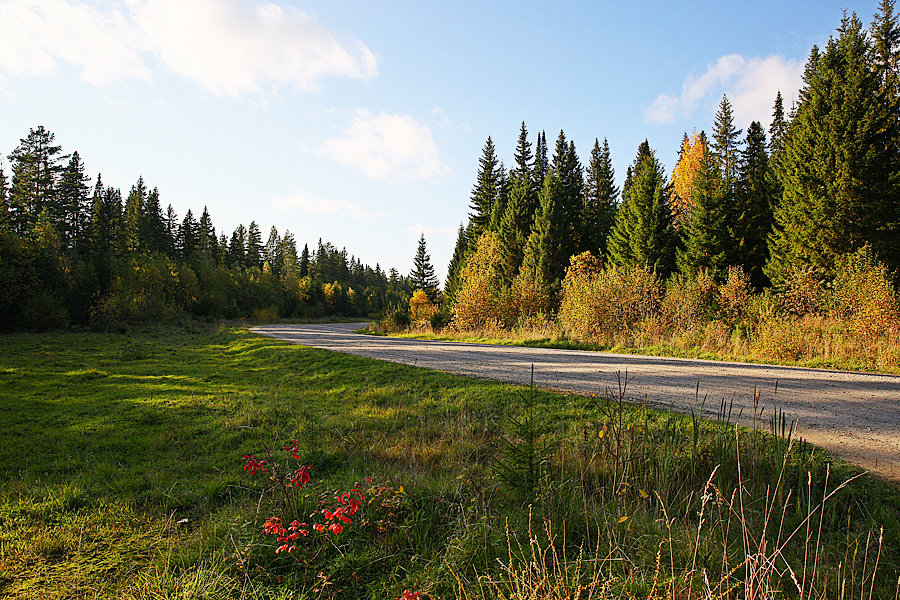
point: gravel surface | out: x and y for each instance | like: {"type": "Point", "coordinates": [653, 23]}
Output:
{"type": "Point", "coordinates": [855, 415]}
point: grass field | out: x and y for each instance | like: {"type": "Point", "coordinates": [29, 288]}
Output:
{"type": "Point", "coordinates": [121, 476]}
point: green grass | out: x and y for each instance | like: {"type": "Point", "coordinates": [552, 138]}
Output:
{"type": "Point", "coordinates": [120, 476]}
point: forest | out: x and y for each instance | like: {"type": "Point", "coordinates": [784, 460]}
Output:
{"type": "Point", "coordinates": [77, 254]}
{"type": "Point", "coordinates": [751, 234]}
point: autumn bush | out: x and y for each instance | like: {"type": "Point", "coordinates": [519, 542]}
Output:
{"type": "Point", "coordinates": [864, 296]}
{"type": "Point", "coordinates": [421, 308]}
{"type": "Point", "coordinates": [689, 302]}
{"type": "Point", "coordinates": [600, 303]}
{"type": "Point", "coordinates": [481, 298]}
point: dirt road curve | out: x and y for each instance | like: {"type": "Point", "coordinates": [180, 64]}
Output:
{"type": "Point", "coordinates": [856, 415]}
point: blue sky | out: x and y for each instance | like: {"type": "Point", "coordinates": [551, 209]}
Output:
{"type": "Point", "coordinates": [362, 123]}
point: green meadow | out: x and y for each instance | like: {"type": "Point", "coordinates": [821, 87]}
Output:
{"type": "Point", "coordinates": [121, 475]}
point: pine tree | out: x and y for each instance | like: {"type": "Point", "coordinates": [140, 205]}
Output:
{"type": "Point", "coordinates": [457, 262]}
{"type": "Point", "coordinates": [707, 241]}
{"type": "Point", "coordinates": [841, 171]}
{"type": "Point", "coordinates": [74, 201]}
{"type": "Point", "coordinates": [600, 200]}
{"type": "Point", "coordinates": [36, 166]}
{"type": "Point", "coordinates": [753, 213]}
{"type": "Point", "coordinates": [726, 146]}
{"type": "Point", "coordinates": [642, 234]}
{"type": "Point", "coordinates": [486, 191]}
{"type": "Point", "coordinates": [254, 246]}
{"type": "Point", "coordinates": [422, 276]}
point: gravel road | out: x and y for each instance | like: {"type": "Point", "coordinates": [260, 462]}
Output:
{"type": "Point", "coordinates": [855, 415]}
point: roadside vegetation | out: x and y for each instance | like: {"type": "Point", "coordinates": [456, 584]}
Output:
{"type": "Point", "coordinates": [150, 464]}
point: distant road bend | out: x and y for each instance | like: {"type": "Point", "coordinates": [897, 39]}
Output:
{"type": "Point", "coordinates": [855, 415]}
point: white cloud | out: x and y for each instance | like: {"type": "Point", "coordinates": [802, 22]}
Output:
{"type": "Point", "coordinates": [310, 204]}
{"type": "Point", "coordinates": [750, 83]}
{"type": "Point", "coordinates": [388, 147]}
{"type": "Point", "coordinates": [227, 47]}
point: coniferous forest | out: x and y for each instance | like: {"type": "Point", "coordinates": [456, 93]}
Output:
{"type": "Point", "coordinates": [76, 251]}
{"type": "Point", "coordinates": [750, 230]}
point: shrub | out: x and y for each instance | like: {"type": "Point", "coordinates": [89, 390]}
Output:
{"type": "Point", "coordinates": [481, 297]}
{"type": "Point", "coordinates": [596, 304]}
{"type": "Point", "coordinates": [804, 292]}
{"type": "Point", "coordinates": [689, 302]}
{"type": "Point", "coordinates": [863, 295]}
{"type": "Point", "coordinates": [396, 319]}
{"type": "Point", "coordinates": [735, 296]}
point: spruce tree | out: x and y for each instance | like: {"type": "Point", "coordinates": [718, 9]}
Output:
{"type": "Point", "coordinates": [454, 269]}
{"type": "Point", "coordinates": [272, 252]}
{"type": "Point", "coordinates": [155, 222]}
{"type": "Point", "coordinates": [5, 222]}
{"type": "Point", "coordinates": [514, 226]}
{"type": "Point", "coordinates": [541, 161]}
{"type": "Point", "coordinates": [254, 246]}
{"type": "Point", "coordinates": [133, 217]}
{"type": "Point", "coordinates": [289, 261]}
{"type": "Point", "coordinates": [422, 276]}
{"type": "Point", "coordinates": [554, 237]}
{"type": "Point", "coordinates": [188, 236]}
{"type": "Point", "coordinates": [840, 172]}
{"type": "Point", "coordinates": [885, 34]}
{"type": "Point", "coordinates": [642, 234]}
{"type": "Point", "coordinates": [171, 223]}
{"type": "Point", "coordinates": [600, 200]}
{"type": "Point", "coordinates": [304, 261]}
{"type": "Point", "coordinates": [74, 201]}
{"type": "Point", "coordinates": [707, 241]}
{"type": "Point", "coordinates": [726, 146]}
{"type": "Point", "coordinates": [753, 213]}
{"type": "Point", "coordinates": [206, 240]}
{"type": "Point", "coordinates": [237, 248]}
{"type": "Point", "coordinates": [486, 191]}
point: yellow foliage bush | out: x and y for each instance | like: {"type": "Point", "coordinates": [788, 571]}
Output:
{"type": "Point", "coordinates": [481, 298]}
{"type": "Point", "coordinates": [864, 296]}
{"type": "Point", "coordinates": [735, 296]}
{"type": "Point", "coordinates": [601, 303]}
{"type": "Point", "coordinates": [689, 302]}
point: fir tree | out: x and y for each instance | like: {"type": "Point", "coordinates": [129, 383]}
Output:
{"type": "Point", "coordinates": [600, 200]}
{"type": "Point", "coordinates": [726, 146]}
{"type": "Point", "coordinates": [642, 234]}
{"type": "Point", "coordinates": [422, 276]}
{"type": "Point", "coordinates": [840, 172]}
{"type": "Point", "coordinates": [541, 161]}
{"type": "Point", "coordinates": [457, 262]}
{"type": "Point", "coordinates": [707, 241]}
{"type": "Point", "coordinates": [289, 262]}
{"type": "Point", "coordinates": [254, 246]}
{"type": "Point", "coordinates": [273, 252]}
{"type": "Point", "coordinates": [237, 247]}
{"type": "Point", "coordinates": [753, 213]}
{"type": "Point", "coordinates": [133, 217]}
{"type": "Point", "coordinates": [206, 239]}
{"type": "Point", "coordinates": [486, 191]}
{"type": "Point", "coordinates": [885, 34]}
{"type": "Point", "coordinates": [74, 202]}
{"type": "Point", "coordinates": [188, 236]}
{"type": "Point", "coordinates": [171, 223]}
{"type": "Point", "coordinates": [155, 224]}
{"type": "Point", "coordinates": [778, 127]}
{"type": "Point", "coordinates": [554, 237]}
{"type": "Point", "coordinates": [5, 223]}
{"type": "Point", "coordinates": [304, 261]}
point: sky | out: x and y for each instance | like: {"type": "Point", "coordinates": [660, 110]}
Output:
{"type": "Point", "coordinates": [362, 122]}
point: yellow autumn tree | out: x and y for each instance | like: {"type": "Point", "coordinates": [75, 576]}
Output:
{"type": "Point", "coordinates": [420, 307]}
{"type": "Point", "coordinates": [481, 298]}
{"type": "Point", "coordinates": [692, 152]}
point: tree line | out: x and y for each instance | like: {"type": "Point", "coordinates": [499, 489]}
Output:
{"type": "Point", "coordinates": [76, 252]}
{"type": "Point", "coordinates": [821, 183]}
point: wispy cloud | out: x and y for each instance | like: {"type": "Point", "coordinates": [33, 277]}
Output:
{"type": "Point", "coordinates": [228, 47]}
{"type": "Point", "coordinates": [750, 83]}
{"type": "Point", "coordinates": [305, 202]}
{"type": "Point", "coordinates": [388, 147]}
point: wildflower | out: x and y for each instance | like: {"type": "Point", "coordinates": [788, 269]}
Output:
{"type": "Point", "coordinates": [294, 449]}
{"type": "Point", "coordinates": [253, 464]}
{"type": "Point", "coordinates": [336, 528]}
{"type": "Point", "coordinates": [408, 595]}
